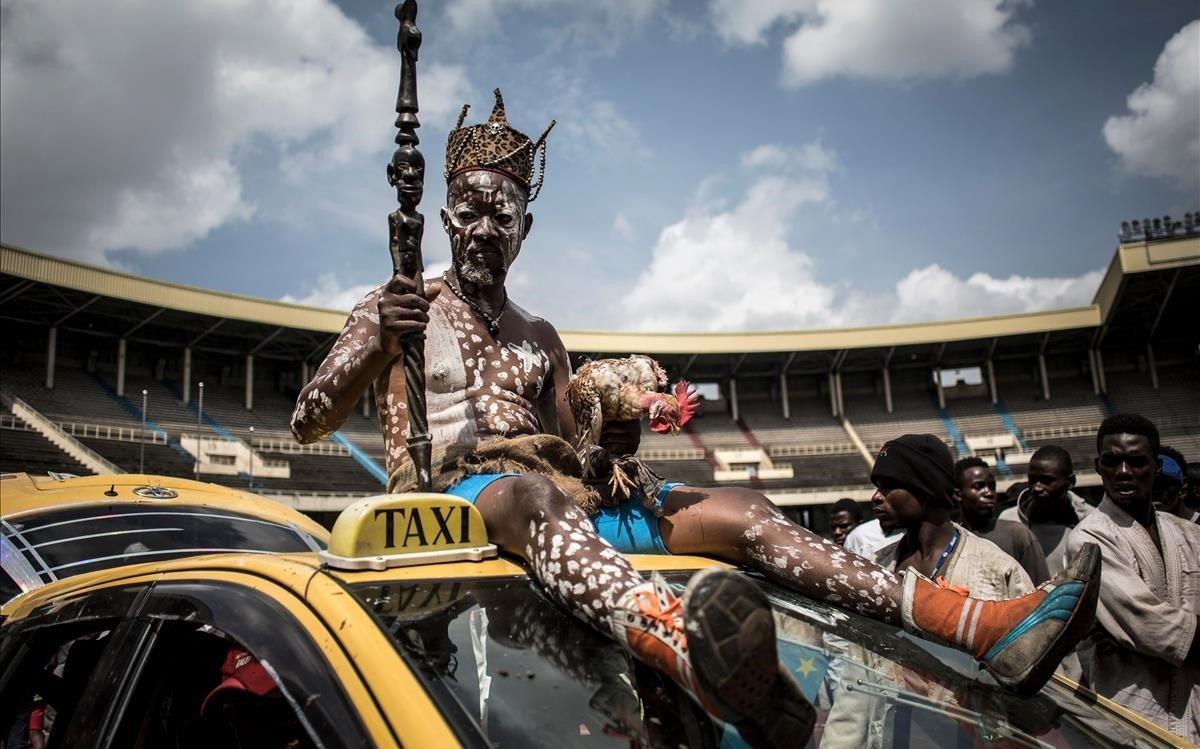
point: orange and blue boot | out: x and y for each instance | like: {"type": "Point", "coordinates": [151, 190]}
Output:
{"type": "Point", "coordinates": [718, 643]}
{"type": "Point", "coordinates": [1019, 641]}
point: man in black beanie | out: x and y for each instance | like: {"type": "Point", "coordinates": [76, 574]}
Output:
{"type": "Point", "coordinates": [914, 476]}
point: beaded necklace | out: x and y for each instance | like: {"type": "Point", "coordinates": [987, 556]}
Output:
{"type": "Point", "coordinates": [493, 323]}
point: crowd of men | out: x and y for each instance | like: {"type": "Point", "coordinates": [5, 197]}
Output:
{"type": "Point", "coordinates": [1144, 649]}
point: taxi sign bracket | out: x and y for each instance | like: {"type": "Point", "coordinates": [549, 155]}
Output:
{"type": "Point", "coordinates": [408, 559]}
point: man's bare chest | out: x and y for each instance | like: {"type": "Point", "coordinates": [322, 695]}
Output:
{"type": "Point", "coordinates": [464, 361]}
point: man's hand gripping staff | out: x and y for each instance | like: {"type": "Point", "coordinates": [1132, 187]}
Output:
{"type": "Point", "coordinates": [404, 303]}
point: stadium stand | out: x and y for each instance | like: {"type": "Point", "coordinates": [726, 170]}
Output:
{"type": "Point", "coordinates": [23, 449]}
{"type": "Point", "coordinates": [77, 335]}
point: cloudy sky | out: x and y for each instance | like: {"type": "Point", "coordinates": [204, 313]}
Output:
{"type": "Point", "coordinates": [717, 165]}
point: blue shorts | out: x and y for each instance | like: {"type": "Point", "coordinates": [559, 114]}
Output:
{"type": "Point", "coordinates": [630, 526]}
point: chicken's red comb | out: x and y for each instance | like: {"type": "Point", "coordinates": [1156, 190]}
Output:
{"type": "Point", "coordinates": [689, 400]}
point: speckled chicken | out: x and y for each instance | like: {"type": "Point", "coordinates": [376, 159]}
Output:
{"type": "Point", "coordinates": [624, 390]}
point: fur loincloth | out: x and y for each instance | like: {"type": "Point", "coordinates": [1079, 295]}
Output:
{"type": "Point", "coordinates": [545, 454]}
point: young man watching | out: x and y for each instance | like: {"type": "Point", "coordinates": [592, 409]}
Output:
{"type": "Point", "coordinates": [1170, 484]}
{"type": "Point", "coordinates": [1146, 647]}
{"type": "Point", "coordinates": [1191, 490]}
{"type": "Point", "coordinates": [975, 495]}
{"type": "Point", "coordinates": [844, 517]}
{"type": "Point", "coordinates": [496, 384]}
{"type": "Point", "coordinates": [1047, 506]}
{"type": "Point", "coordinates": [914, 476]}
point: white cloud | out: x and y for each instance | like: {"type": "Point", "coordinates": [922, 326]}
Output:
{"type": "Point", "coordinates": [590, 128]}
{"type": "Point", "coordinates": [933, 293]}
{"type": "Point", "coordinates": [126, 125]}
{"type": "Point", "coordinates": [880, 39]}
{"type": "Point", "coordinates": [747, 23]}
{"type": "Point", "coordinates": [623, 227]}
{"type": "Point", "coordinates": [734, 269]}
{"type": "Point", "coordinates": [810, 157]}
{"type": "Point", "coordinates": [730, 268]}
{"type": "Point", "coordinates": [1160, 137]}
{"type": "Point", "coordinates": [329, 292]}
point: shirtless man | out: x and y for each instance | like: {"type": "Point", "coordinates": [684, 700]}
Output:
{"type": "Point", "coordinates": [494, 370]}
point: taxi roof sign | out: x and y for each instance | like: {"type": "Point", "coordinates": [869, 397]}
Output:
{"type": "Point", "coordinates": [402, 530]}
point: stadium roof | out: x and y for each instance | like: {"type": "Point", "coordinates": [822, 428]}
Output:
{"type": "Point", "coordinates": [1147, 294]}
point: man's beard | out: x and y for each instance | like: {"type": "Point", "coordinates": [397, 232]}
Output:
{"type": "Point", "coordinates": [470, 268]}
{"type": "Point", "coordinates": [475, 272]}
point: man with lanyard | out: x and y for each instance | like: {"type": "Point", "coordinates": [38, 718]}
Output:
{"type": "Point", "coordinates": [1145, 652]}
{"type": "Point", "coordinates": [502, 431]}
{"type": "Point", "coordinates": [914, 475]}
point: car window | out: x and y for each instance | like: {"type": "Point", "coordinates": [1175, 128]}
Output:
{"type": "Point", "coordinates": [509, 667]}
{"type": "Point", "coordinates": [59, 681]}
{"type": "Point", "coordinates": [199, 688]}
{"type": "Point", "coordinates": [229, 666]}
{"type": "Point", "coordinates": [71, 541]}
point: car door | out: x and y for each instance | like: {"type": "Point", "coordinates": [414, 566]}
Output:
{"type": "Point", "coordinates": [228, 664]}
{"type": "Point", "coordinates": [69, 656]}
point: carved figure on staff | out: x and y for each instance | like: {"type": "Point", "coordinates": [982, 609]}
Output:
{"type": "Point", "coordinates": [504, 435]}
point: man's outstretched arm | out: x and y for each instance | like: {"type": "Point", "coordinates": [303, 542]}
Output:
{"type": "Point", "coordinates": [368, 344]}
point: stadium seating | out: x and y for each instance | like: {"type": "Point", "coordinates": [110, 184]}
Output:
{"type": "Point", "coordinates": [24, 450]}
{"type": "Point", "coordinates": [158, 459]}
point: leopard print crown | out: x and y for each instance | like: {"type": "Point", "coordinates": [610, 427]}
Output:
{"type": "Point", "coordinates": [497, 146]}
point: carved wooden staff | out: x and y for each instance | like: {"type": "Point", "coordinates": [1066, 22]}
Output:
{"type": "Point", "coordinates": [406, 173]}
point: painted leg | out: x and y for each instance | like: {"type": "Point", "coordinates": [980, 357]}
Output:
{"type": "Point", "coordinates": [725, 658]}
{"type": "Point", "coordinates": [1020, 641]}
{"type": "Point", "coordinates": [743, 526]}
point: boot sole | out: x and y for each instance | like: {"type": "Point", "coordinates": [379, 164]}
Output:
{"type": "Point", "coordinates": [731, 641]}
{"type": "Point", "coordinates": [1086, 568]}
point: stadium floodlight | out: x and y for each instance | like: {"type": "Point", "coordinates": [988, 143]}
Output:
{"type": "Point", "coordinates": [251, 441]}
{"type": "Point", "coordinates": [142, 455]}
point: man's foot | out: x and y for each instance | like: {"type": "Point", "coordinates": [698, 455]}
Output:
{"type": "Point", "coordinates": [726, 659]}
{"type": "Point", "coordinates": [1020, 641]}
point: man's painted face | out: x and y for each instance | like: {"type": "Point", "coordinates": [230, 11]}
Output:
{"type": "Point", "coordinates": [977, 491]}
{"type": "Point", "coordinates": [1127, 465]}
{"type": "Point", "coordinates": [840, 525]}
{"type": "Point", "coordinates": [486, 221]}
{"type": "Point", "coordinates": [1049, 481]}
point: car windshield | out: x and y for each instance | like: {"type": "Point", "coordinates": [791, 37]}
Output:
{"type": "Point", "coordinates": [508, 667]}
{"type": "Point", "coordinates": [55, 544]}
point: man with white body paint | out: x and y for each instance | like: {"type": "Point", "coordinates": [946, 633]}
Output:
{"type": "Point", "coordinates": [495, 371]}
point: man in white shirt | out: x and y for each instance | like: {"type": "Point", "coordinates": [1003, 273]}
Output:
{"type": "Point", "coordinates": [868, 538]}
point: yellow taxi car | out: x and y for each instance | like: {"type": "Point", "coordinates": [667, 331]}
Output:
{"type": "Point", "coordinates": [409, 630]}
{"type": "Point", "coordinates": [53, 527]}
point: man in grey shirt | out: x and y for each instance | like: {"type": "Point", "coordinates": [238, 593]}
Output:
{"type": "Point", "coordinates": [975, 496]}
{"type": "Point", "coordinates": [1048, 507]}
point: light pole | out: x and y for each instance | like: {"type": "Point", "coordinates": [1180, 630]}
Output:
{"type": "Point", "coordinates": [251, 440]}
{"type": "Point", "coordinates": [142, 457]}
{"type": "Point", "coordinates": [199, 426]}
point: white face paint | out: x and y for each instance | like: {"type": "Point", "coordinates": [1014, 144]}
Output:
{"type": "Point", "coordinates": [485, 219]}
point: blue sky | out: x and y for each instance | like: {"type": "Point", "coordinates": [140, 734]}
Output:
{"type": "Point", "coordinates": [789, 164]}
